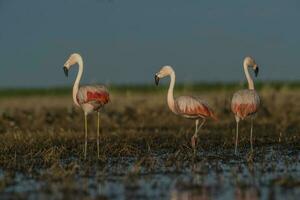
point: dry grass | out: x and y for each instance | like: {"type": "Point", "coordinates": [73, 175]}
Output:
{"type": "Point", "coordinates": [42, 137]}
{"type": "Point", "coordinates": [39, 132]}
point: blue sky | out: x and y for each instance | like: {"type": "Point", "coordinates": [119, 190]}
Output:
{"type": "Point", "coordinates": [126, 41]}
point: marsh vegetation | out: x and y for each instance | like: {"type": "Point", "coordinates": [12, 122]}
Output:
{"type": "Point", "coordinates": [145, 149]}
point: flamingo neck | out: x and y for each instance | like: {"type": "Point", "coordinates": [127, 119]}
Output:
{"type": "Point", "coordinates": [78, 78]}
{"type": "Point", "coordinates": [170, 99]}
{"type": "Point", "coordinates": [249, 79]}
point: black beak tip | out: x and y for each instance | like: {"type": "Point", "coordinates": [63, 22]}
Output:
{"type": "Point", "coordinates": [66, 71]}
{"type": "Point", "coordinates": [256, 71]}
{"type": "Point", "coordinates": [156, 79]}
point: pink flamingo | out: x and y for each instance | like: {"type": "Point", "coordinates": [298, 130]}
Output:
{"type": "Point", "coordinates": [245, 103]}
{"type": "Point", "coordinates": [90, 98]}
{"type": "Point", "coordinates": [186, 106]}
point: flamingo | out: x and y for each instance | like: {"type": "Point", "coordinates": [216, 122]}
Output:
{"type": "Point", "coordinates": [245, 103]}
{"type": "Point", "coordinates": [89, 98]}
{"type": "Point", "coordinates": [186, 106]}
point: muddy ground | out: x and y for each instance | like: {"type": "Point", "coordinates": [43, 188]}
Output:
{"type": "Point", "coordinates": [145, 149]}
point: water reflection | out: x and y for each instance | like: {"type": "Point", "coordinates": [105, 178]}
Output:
{"type": "Point", "coordinates": [198, 193]}
{"type": "Point", "coordinates": [250, 193]}
{"type": "Point", "coordinates": [274, 175]}
{"type": "Point", "coordinates": [206, 193]}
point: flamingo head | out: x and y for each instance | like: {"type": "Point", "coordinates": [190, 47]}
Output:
{"type": "Point", "coordinates": [164, 71]}
{"type": "Point", "coordinates": [250, 62]}
{"type": "Point", "coordinates": [72, 60]}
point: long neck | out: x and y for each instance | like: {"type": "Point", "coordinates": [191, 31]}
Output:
{"type": "Point", "coordinates": [76, 84]}
{"type": "Point", "coordinates": [249, 79]}
{"type": "Point", "coordinates": [170, 93]}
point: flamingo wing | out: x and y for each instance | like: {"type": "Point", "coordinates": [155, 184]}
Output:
{"type": "Point", "coordinates": [96, 95]}
{"type": "Point", "coordinates": [192, 107]}
{"type": "Point", "coordinates": [245, 103]}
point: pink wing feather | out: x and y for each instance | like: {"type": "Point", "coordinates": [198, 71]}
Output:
{"type": "Point", "coordinates": [245, 103]}
{"type": "Point", "coordinates": [192, 107]}
{"type": "Point", "coordinates": [97, 95]}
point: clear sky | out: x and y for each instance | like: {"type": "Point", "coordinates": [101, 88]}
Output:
{"type": "Point", "coordinates": [126, 41]}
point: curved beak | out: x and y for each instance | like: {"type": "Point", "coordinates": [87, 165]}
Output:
{"type": "Point", "coordinates": [66, 71]}
{"type": "Point", "coordinates": [156, 79]}
{"type": "Point", "coordinates": [256, 70]}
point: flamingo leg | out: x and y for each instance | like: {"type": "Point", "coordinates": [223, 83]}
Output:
{"type": "Point", "coordinates": [251, 135]}
{"type": "Point", "coordinates": [194, 137]}
{"type": "Point", "coordinates": [98, 135]}
{"type": "Point", "coordinates": [236, 136]}
{"type": "Point", "coordinates": [201, 125]}
{"type": "Point", "coordinates": [204, 120]}
{"type": "Point", "coordinates": [86, 129]}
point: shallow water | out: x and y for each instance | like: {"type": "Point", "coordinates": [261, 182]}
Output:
{"type": "Point", "coordinates": [273, 173]}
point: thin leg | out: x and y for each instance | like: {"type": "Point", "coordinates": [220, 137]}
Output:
{"type": "Point", "coordinates": [196, 127]}
{"type": "Point", "coordinates": [98, 135]}
{"type": "Point", "coordinates": [251, 135]}
{"type": "Point", "coordinates": [86, 129]}
{"type": "Point", "coordinates": [236, 136]}
{"type": "Point", "coordinates": [194, 137]}
{"type": "Point", "coordinates": [201, 124]}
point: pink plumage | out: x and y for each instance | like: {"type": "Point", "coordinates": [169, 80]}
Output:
{"type": "Point", "coordinates": [95, 95]}
{"type": "Point", "coordinates": [186, 106]}
{"type": "Point", "coordinates": [245, 103]}
{"type": "Point", "coordinates": [90, 98]}
{"type": "Point", "coordinates": [192, 107]}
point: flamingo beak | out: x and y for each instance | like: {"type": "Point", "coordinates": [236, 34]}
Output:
{"type": "Point", "coordinates": [66, 71]}
{"type": "Point", "coordinates": [156, 79]}
{"type": "Point", "coordinates": [256, 70]}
